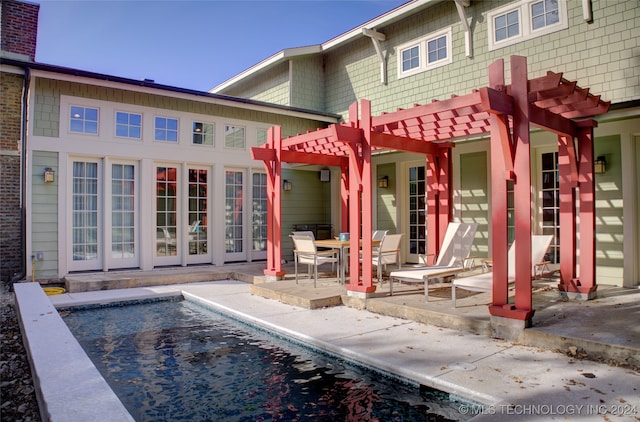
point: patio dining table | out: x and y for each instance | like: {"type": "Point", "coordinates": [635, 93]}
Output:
{"type": "Point", "coordinates": [342, 246]}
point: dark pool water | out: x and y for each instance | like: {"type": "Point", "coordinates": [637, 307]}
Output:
{"type": "Point", "coordinates": [177, 361]}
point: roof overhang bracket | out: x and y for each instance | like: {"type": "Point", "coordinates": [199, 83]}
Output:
{"type": "Point", "coordinates": [468, 39]}
{"type": "Point", "coordinates": [376, 37]}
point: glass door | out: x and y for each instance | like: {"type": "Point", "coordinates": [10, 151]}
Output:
{"type": "Point", "coordinates": [198, 217]}
{"type": "Point", "coordinates": [167, 251]}
{"type": "Point", "coordinates": [417, 212]}
{"type": "Point", "coordinates": [234, 216]}
{"type": "Point", "coordinates": [86, 254]}
{"type": "Point", "coordinates": [551, 203]}
{"type": "Point", "coordinates": [259, 216]}
{"type": "Point", "coordinates": [124, 253]}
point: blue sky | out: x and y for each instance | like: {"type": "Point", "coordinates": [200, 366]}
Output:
{"type": "Point", "coordinates": [189, 44]}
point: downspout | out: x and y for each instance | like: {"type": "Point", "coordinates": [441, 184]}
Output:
{"type": "Point", "coordinates": [376, 37]}
{"type": "Point", "coordinates": [23, 177]}
{"type": "Point", "coordinates": [468, 41]}
{"type": "Point", "coordinates": [587, 11]}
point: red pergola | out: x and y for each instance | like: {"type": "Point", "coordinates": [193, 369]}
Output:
{"type": "Point", "coordinates": [506, 112]}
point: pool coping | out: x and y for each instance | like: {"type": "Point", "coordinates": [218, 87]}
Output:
{"type": "Point", "coordinates": [68, 386]}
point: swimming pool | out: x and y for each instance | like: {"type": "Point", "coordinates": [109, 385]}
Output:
{"type": "Point", "coordinates": [175, 360]}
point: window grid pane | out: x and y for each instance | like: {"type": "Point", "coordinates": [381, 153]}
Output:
{"type": "Point", "coordinates": [234, 137]}
{"type": "Point", "coordinates": [410, 58]}
{"type": "Point", "coordinates": [202, 133]}
{"type": "Point", "coordinates": [83, 120]}
{"type": "Point", "coordinates": [128, 125]}
{"type": "Point", "coordinates": [166, 129]}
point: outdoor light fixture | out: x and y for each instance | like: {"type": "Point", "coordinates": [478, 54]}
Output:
{"type": "Point", "coordinates": [287, 185]}
{"type": "Point", "coordinates": [49, 175]}
{"type": "Point", "coordinates": [384, 182]}
{"type": "Point", "coordinates": [600, 165]}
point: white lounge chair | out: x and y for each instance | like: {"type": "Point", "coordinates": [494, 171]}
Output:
{"type": "Point", "coordinates": [484, 282]}
{"type": "Point", "coordinates": [456, 247]}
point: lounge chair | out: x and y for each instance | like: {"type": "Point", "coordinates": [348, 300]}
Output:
{"type": "Point", "coordinates": [451, 260]}
{"type": "Point", "coordinates": [484, 282]}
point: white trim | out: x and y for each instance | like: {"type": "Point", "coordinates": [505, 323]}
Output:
{"type": "Point", "coordinates": [525, 25]}
{"type": "Point", "coordinates": [423, 52]}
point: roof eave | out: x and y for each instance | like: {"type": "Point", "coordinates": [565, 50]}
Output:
{"type": "Point", "coordinates": [384, 19]}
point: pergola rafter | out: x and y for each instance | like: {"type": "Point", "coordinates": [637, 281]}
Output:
{"type": "Point", "coordinates": [503, 111]}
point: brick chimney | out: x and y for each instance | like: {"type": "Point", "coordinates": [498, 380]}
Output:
{"type": "Point", "coordinates": [18, 29]}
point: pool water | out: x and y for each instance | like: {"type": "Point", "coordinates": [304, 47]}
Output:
{"type": "Point", "coordinates": [177, 361]}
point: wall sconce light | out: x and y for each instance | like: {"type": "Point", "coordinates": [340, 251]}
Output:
{"type": "Point", "coordinates": [600, 165]}
{"type": "Point", "coordinates": [325, 175]}
{"type": "Point", "coordinates": [287, 185]}
{"type": "Point", "coordinates": [49, 175]}
{"type": "Point", "coordinates": [383, 182]}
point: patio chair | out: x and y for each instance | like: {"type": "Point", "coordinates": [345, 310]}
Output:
{"type": "Point", "coordinates": [484, 282]}
{"type": "Point", "coordinates": [378, 235]}
{"type": "Point", "coordinates": [455, 249]}
{"type": "Point", "coordinates": [387, 253]}
{"type": "Point", "coordinates": [305, 252]}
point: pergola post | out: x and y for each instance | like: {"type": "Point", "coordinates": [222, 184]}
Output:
{"type": "Point", "coordinates": [439, 208]}
{"type": "Point", "coordinates": [584, 285]}
{"type": "Point", "coordinates": [522, 309]}
{"type": "Point", "coordinates": [360, 204]}
{"type": "Point", "coordinates": [568, 174]}
{"type": "Point", "coordinates": [274, 205]}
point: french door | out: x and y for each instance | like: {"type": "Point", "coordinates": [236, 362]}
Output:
{"type": "Point", "coordinates": [198, 182]}
{"type": "Point", "coordinates": [86, 215]}
{"type": "Point", "coordinates": [168, 232]}
{"type": "Point", "coordinates": [124, 219]}
{"type": "Point", "coordinates": [416, 211]}
{"type": "Point", "coordinates": [245, 215]}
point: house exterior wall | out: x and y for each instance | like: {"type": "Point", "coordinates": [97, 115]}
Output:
{"type": "Point", "coordinates": [53, 145]}
{"type": "Point", "coordinates": [272, 86]}
{"type": "Point", "coordinates": [599, 55]}
{"type": "Point", "coordinates": [307, 83]}
{"type": "Point", "coordinates": [10, 170]}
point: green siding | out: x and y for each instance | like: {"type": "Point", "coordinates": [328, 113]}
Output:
{"type": "Point", "coordinates": [308, 202]}
{"type": "Point", "coordinates": [598, 55]}
{"type": "Point", "coordinates": [386, 200]}
{"type": "Point", "coordinates": [609, 221]}
{"type": "Point", "coordinates": [307, 83]}
{"type": "Point", "coordinates": [272, 86]}
{"type": "Point", "coordinates": [44, 216]}
{"type": "Point", "coordinates": [474, 198]}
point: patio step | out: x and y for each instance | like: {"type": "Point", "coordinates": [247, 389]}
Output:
{"type": "Point", "coordinates": [86, 282]}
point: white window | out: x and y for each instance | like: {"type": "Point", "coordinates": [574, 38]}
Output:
{"type": "Point", "coordinates": [427, 53]}
{"type": "Point", "coordinates": [166, 129]}
{"type": "Point", "coordinates": [234, 137]}
{"type": "Point", "coordinates": [524, 20]}
{"type": "Point", "coordinates": [128, 125]}
{"type": "Point", "coordinates": [83, 120]}
{"type": "Point", "coordinates": [202, 133]}
{"type": "Point", "coordinates": [261, 136]}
